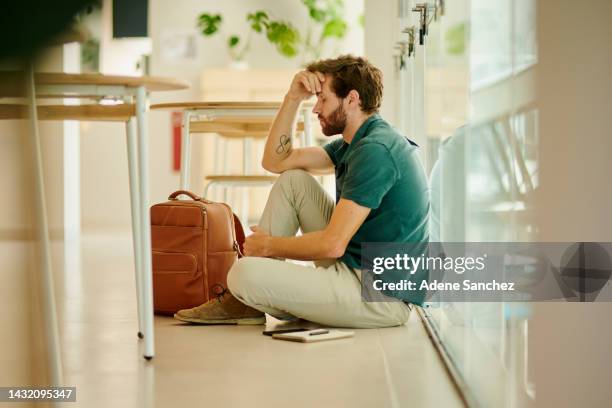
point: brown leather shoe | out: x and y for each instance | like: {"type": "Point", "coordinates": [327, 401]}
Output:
{"type": "Point", "coordinates": [225, 309]}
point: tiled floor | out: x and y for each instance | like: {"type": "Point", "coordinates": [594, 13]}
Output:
{"type": "Point", "coordinates": [225, 366]}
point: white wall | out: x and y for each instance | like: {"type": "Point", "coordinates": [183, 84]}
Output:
{"type": "Point", "coordinates": [382, 32]}
{"type": "Point", "coordinates": [571, 345]}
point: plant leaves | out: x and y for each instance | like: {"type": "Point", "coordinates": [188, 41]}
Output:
{"type": "Point", "coordinates": [284, 36]}
{"type": "Point", "coordinates": [335, 28]}
{"type": "Point", "coordinates": [233, 41]}
{"type": "Point", "coordinates": [316, 13]}
{"type": "Point", "coordinates": [209, 23]}
{"type": "Point", "coordinates": [286, 49]}
{"type": "Point", "coordinates": [259, 20]}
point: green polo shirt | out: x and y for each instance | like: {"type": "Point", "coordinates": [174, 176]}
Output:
{"type": "Point", "coordinates": [380, 169]}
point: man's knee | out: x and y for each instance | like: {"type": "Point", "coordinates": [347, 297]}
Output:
{"type": "Point", "coordinates": [241, 275]}
{"type": "Point", "coordinates": [293, 177]}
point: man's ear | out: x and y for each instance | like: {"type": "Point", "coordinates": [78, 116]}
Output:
{"type": "Point", "coordinates": [353, 97]}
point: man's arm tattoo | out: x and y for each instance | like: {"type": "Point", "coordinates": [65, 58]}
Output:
{"type": "Point", "coordinates": [285, 146]}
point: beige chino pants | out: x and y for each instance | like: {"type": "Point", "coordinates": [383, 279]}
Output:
{"type": "Point", "coordinates": [328, 293]}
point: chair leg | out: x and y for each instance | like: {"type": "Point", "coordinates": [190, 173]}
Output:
{"type": "Point", "coordinates": [302, 139]}
{"type": "Point", "coordinates": [185, 151]}
{"type": "Point", "coordinates": [217, 159]}
{"type": "Point", "coordinates": [246, 169]}
{"type": "Point", "coordinates": [225, 156]}
{"type": "Point", "coordinates": [225, 168]}
{"type": "Point", "coordinates": [48, 292]}
{"type": "Point", "coordinates": [145, 226]}
{"type": "Point", "coordinates": [207, 188]}
{"type": "Point", "coordinates": [130, 128]}
{"type": "Point", "coordinates": [307, 128]}
{"type": "Point", "coordinates": [245, 204]}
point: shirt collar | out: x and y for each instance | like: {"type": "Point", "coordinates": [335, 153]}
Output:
{"type": "Point", "coordinates": [360, 134]}
{"type": "Point", "coordinates": [363, 129]}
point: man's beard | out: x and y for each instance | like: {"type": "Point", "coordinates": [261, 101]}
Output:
{"type": "Point", "coordinates": [335, 124]}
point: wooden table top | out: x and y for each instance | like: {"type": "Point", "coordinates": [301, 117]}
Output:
{"type": "Point", "coordinates": [222, 105]}
{"type": "Point", "coordinates": [112, 113]}
{"type": "Point", "coordinates": [11, 82]}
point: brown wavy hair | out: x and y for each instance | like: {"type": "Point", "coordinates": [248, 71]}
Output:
{"type": "Point", "coordinates": [350, 72]}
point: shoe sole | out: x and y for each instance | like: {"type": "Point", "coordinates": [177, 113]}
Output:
{"type": "Point", "coordinates": [243, 321]}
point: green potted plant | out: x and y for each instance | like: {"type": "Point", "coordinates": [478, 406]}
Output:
{"type": "Point", "coordinates": [281, 34]}
{"type": "Point", "coordinates": [326, 18]}
{"type": "Point", "coordinates": [325, 23]}
{"type": "Point", "coordinates": [210, 24]}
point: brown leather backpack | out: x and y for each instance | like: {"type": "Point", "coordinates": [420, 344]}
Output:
{"type": "Point", "coordinates": [195, 242]}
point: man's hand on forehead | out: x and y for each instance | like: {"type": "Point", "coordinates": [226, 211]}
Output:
{"type": "Point", "coordinates": [305, 84]}
{"type": "Point", "coordinates": [320, 75]}
{"type": "Point", "coordinates": [312, 81]}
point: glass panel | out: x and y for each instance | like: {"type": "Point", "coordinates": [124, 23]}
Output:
{"type": "Point", "coordinates": [482, 146]}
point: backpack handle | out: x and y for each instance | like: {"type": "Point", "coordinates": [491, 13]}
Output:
{"type": "Point", "coordinates": [193, 196]}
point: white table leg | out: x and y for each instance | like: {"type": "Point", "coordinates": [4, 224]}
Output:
{"type": "Point", "coordinates": [206, 193]}
{"type": "Point", "coordinates": [247, 144]}
{"type": "Point", "coordinates": [145, 226]}
{"type": "Point", "coordinates": [132, 148]}
{"type": "Point", "coordinates": [225, 166]}
{"type": "Point", "coordinates": [49, 315]}
{"type": "Point", "coordinates": [218, 158]}
{"type": "Point", "coordinates": [307, 128]}
{"type": "Point", "coordinates": [185, 151]}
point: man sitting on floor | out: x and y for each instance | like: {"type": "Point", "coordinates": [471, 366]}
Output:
{"type": "Point", "coordinates": [381, 196]}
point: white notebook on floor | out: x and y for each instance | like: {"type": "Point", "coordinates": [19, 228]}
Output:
{"type": "Point", "coordinates": [312, 336]}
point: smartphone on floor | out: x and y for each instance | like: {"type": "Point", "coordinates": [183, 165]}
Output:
{"type": "Point", "coordinates": [281, 331]}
